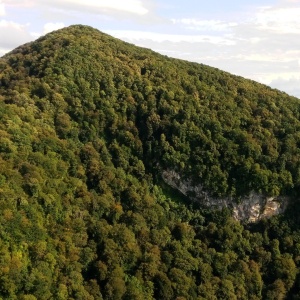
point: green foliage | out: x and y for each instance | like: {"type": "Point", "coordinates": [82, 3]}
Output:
{"type": "Point", "coordinates": [87, 124]}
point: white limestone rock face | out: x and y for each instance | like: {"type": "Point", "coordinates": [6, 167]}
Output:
{"type": "Point", "coordinates": [251, 208]}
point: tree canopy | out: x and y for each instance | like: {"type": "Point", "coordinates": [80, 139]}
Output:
{"type": "Point", "coordinates": [87, 125]}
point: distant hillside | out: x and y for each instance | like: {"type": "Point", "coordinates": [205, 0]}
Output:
{"type": "Point", "coordinates": [88, 124]}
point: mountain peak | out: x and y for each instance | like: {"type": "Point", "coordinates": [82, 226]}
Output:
{"type": "Point", "coordinates": [238, 123]}
{"type": "Point", "coordinates": [113, 159]}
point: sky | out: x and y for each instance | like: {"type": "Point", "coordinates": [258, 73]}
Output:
{"type": "Point", "coordinates": [256, 39]}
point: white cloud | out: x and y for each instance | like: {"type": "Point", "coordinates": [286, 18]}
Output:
{"type": "Point", "coordinates": [132, 6]}
{"type": "Point", "coordinates": [134, 35]}
{"type": "Point", "coordinates": [2, 9]}
{"type": "Point", "coordinates": [204, 25]}
{"type": "Point", "coordinates": [269, 78]}
{"type": "Point", "coordinates": [290, 85]}
{"type": "Point", "coordinates": [279, 19]}
{"type": "Point", "coordinates": [18, 3]}
{"type": "Point", "coordinates": [13, 34]}
{"type": "Point", "coordinates": [113, 8]}
{"type": "Point", "coordinates": [129, 6]}
{"type": "Point", "coordinates": [276, 56]}
{"type": "Point", "coordinates": [48, 27]}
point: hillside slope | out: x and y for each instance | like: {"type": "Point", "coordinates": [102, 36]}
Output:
{"type": "Point", "coordinates": [88, 125]}
{"type": "Point", "coordinates": [230, 134]}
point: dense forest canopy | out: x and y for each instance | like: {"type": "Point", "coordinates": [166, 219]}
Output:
{"type": "Point", "coordinates": [87, 125]}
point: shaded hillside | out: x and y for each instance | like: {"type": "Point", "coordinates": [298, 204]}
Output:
{"type": "Point", "coordinates": [88, 123]}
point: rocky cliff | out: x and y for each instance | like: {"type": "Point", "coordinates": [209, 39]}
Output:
{"type": "Point", "coordinates": [251, 208]}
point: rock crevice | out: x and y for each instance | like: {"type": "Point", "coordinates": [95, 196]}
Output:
{"type": "Point", "coordinates": [251, 208]}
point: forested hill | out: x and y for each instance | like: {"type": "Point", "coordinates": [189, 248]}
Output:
{"type": "Point", "coordinates": [88, 123]}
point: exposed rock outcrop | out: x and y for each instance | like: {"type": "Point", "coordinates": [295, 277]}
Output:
{"type": "Point", "coordinates": [251, 208]}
